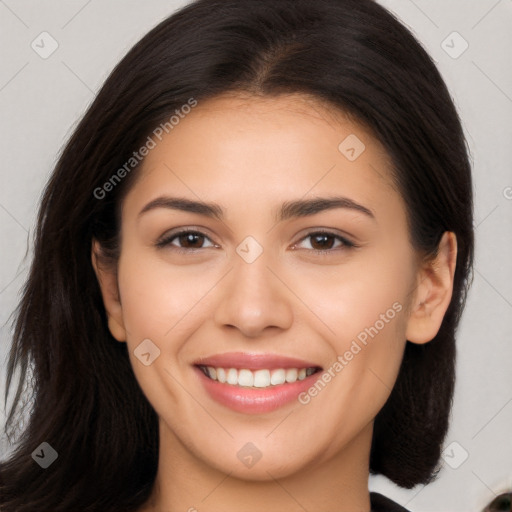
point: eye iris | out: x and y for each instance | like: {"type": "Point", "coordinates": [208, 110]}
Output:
{"type": "Point", "coordinates": [191, 240]}
{"type": "Point", "coordinates": [325, 241]}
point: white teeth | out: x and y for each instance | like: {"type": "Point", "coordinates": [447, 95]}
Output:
{"type": "Point", "coordinates": [291, 374]}
{"type": "Point", "coordinates": [232, 377]}
{"type": "Point", "coordinates": [221, 375]}
{"type": "Point", "coordinates": [246, 378]}
{"type": "Point", "coordinates": [257, 378]}
{"type": "Point", "coordinates": [278, 377]}
{"type": "Point", "coordinates": [261, 379]}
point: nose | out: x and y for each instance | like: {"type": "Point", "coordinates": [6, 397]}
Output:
{"type": "Point", "coordinates": [255, 299]}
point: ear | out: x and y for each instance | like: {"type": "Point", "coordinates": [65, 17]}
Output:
{"type": "Point", "coordinates": [433, 293]}
{"type": "Point", "coordinates": [107, 279]}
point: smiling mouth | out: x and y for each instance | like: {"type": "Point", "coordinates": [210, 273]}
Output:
{"type": "Point", "coordinates": [262, 378]}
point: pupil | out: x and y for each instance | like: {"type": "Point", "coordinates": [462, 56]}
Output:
{"type": "Point", "coordinates": [190, 238]}
{"type": "Point", "coordinates": [323, 241]}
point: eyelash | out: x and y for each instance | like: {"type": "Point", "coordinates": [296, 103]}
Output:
{"type": "Point", "coordinates": [166, 241]}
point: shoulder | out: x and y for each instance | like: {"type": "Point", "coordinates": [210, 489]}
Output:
{"type": "Point", "coordinates": [382, 504]}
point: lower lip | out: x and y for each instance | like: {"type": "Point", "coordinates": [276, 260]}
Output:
{"type": "Point", "coordinates": [255, 401]}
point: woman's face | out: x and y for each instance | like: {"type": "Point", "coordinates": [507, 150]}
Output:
{"type": "Point", "coordinates": [300, 263]}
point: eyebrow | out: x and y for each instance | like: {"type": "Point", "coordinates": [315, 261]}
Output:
{"type": "Point", "coordinates": [289, 209]}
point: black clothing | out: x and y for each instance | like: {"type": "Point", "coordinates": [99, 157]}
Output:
{"type": "Point", "coordinates": [382, 504]}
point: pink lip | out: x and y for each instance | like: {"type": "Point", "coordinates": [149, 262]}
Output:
{"type": "Point", "coordinates": [253, 400]}
{"type": "Point", "coordinates": [242, 360]}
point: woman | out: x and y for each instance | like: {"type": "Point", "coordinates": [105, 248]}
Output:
{"type": "Point", "coordinates": [250, 264]}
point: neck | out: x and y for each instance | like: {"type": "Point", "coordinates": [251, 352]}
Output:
{"type": "Point", "coordinates": [186, 483]}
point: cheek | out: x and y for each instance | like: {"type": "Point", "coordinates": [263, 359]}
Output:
{"type": "Point", "coordinates": [375, 324]}
{"type": "Point", "coordinates": [159, 299]}
{"type": "Point", "coordinates": [364, 307]}
{"type": "Point", "coordinates": [367, 293]}
{"type": "Point", "coordinates": [159, 304]}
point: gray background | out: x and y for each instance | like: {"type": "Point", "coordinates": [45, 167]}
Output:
{"type": "Point", "coordinates": [41, 101]}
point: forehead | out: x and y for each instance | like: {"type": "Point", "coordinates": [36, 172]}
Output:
{"type": "Point", "coordinates": [255, 152]}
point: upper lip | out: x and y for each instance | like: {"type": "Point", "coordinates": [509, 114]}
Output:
{"type": "Point", "coordinates": [244, 360]}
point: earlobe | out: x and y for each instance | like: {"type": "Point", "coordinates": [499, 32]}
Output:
{"type": "Point", "coordinates": [107, 279]}
{"type": "Point", "coordinates": [434, 292]}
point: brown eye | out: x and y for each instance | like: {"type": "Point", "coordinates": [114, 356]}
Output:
{"type": "Point", "coordinates": [324, 241]}
{"type": "Point", "coordinates": [184, 240]}
{"type": "Point", "coordinates": [191, 240]}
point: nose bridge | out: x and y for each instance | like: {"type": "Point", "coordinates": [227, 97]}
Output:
{"type": "Point", "coordinates": [254, 298]}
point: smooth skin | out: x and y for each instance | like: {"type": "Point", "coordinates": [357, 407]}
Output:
{"type": "Point", "coordinates": [249, 155]}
